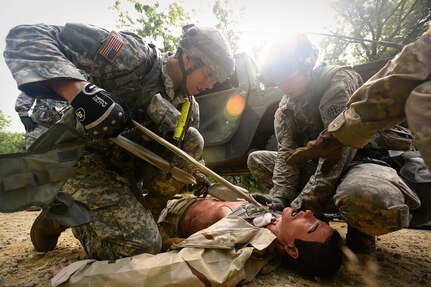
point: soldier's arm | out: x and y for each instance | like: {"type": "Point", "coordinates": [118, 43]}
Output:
{"type": "Point", "coordinates": [23, 104]}
{"type": "Point", "coordinates": [285, 177]}
{"type": "Point", "coordinates": [321, 186]}
{"type": "Point", "coordinates": [380, 102]}
{"type": "Point", "coordinates": [44, 60]}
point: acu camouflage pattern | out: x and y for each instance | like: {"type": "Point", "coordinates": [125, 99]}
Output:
{"type": "Point", "coordinates": [121, 227]}
{"type": "Point", "coordinates": [374, 199]}
{"type": "Point", "coordinates": [208, 45]}
{"type": "Point", "coordinates": [399, 91]}
{"type": "Point", "coordinates": [46, 112]}
{"type": "Point", "coordinates": [299, 120]}
{"type": "Point", "coordinates": [370, 197]}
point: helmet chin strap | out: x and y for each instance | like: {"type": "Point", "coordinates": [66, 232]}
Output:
{"type": "Point", "coordinates": [185, 72]}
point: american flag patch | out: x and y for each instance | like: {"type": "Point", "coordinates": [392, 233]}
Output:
{"type": "Point", "coordinates": [112, 48]}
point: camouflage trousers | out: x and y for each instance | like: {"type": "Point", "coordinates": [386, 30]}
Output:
{"type": "Point", "coordinates": [374, 199]}
{"type": "Point", "coordinates": [369, 197]}
{"type": "Point", "coordinates": [418, 114]}
{"type": "Point", "coordinates": [261, 165]}
{"type": "Point", "coordinates": [121, 226]}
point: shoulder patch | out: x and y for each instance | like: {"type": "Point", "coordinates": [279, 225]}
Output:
{"type": "Point", "coordinates": [334, 111]}
{"type": "Point", "coordinates": [112, 47]}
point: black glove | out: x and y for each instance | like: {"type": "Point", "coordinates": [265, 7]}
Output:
{"type": "Point", "coordinates": [28, 123]}
{"type": "Point", "coordinates": [102, 115]}
{"type": "Point", "coordinates": [202, 185]}
{"type": "Point", "coordinates": [325, 146]}
{"type": "Point", "coordinates": [277, 203]}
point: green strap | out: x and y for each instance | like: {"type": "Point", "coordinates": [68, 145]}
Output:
{"type": "Point", "coordinates": [21, 180]}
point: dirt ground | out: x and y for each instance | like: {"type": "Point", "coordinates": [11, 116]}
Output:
{"type": "Point", "coordinates": [402, 258]}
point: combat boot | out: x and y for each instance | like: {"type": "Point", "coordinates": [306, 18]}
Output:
{"type": "Point", "coordinates": [44, 233]}
{"type": "Point", "coordinates": [360, 242]}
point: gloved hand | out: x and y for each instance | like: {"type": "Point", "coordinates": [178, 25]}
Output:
{"type": "Point", "coordinates": [102, 115]}
{"type": "Point", "coordinates": [202, 185]}
{"type": "Point", "coordinates": [277, 203]}
{"type": "Point", "coordinates": [28, 123]}
{"type": "Point", "coordinates": [325, 146]}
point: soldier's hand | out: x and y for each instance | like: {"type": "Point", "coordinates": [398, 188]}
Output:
{"type": "Point", "coordinates": [202, 185]}
{"type": "Point", "coordinates": [277, 203]}
{"type": "Point", "coordinates": [325, 146]}
{"type": "Point", "coordinates": [28, 123]}
{"type": "Point", "coordinates": [102, 114]}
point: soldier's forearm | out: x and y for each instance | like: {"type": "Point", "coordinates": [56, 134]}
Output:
{"type": "Point", "coordinates": [66, 88]}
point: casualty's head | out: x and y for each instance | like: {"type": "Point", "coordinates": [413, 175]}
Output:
{"type": "Point", "coordinates": [312, 243]}
{"type": "Point", "coordinates": [288, 63]}
{"type": "Point", "coordinates": [205, 58]}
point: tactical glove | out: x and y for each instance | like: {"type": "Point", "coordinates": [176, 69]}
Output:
{"type": "Point", "coordinates": [202, 185]}
{"type": "Point", "coordinates": [277, 203]}
{"type": "Point", "coordinates": [102, 114]}
{"type": "Point", "coordinates": [28, 123]}
{"type": "Point", "coordinates": [325, 146]}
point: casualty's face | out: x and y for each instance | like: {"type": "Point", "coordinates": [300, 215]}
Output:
{"type": "Point", "coordinates": [301, 225]}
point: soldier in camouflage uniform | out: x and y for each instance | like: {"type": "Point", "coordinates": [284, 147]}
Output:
{"type": "Point", "coordinates": [46, 112]}
{"type": "Point", "coordinates": [131, 79]}
{"type": "Point", "coordinates": [399, 91]}
{"type": "Point", "coordinates": [371, 198]}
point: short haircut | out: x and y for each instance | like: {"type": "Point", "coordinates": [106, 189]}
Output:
{"type": "Point", "coordinates": [320, 259]}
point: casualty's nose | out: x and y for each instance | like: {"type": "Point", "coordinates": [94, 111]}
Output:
{"type": "Point", "coordinates": [308, 213]}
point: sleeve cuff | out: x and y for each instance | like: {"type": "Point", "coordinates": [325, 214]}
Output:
{"type": "Point", "coordinates": [345, 134]}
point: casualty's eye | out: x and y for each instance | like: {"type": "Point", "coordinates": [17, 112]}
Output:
{"type": "Point", "coordinates": [294, 213]}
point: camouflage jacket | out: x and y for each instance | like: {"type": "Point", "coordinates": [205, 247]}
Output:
{"type": "Point", "coordinates": [380, 102]}
{"type": "Point", "coordinates": [122, 63]}
{"type": "Point", "coordinates": [45, 112]}
{"type": "Point", "coordinates": [301, 119]}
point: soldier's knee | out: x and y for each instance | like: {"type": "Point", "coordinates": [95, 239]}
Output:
{"type": "Point", "coordinates": [372, 203]}
{"type": "Point", "coordinates": [251, 159]}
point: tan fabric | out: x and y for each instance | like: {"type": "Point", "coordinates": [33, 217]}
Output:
{"type": "Point", "coordinates": [228, 253]}
{"type": "Point", "coordinates": [380, 102]}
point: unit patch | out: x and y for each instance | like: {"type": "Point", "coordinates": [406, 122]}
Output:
{"type": "Point", "coordinates": [334, 111]}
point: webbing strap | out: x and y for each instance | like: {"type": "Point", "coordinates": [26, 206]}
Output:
{"type": "Point", "coordinates": [16, 181]}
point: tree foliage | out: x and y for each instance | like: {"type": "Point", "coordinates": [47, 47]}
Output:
{"type": "Point", "coordinates": [227, 21]}
{"type": "Point", "coordinates": [378, 29]}
{"type": "Point", "coordinates": [9, 141]}
{"type": "Point", "coordinates": [153, 23]}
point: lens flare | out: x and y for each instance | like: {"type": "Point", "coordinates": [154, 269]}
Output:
{"type": "Point", "coordinates": [234, 106]}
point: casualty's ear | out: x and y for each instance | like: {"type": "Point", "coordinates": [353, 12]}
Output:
{"type": "Point", "coordinates": [292, 250]}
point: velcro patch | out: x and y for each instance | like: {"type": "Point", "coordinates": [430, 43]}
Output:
{"type": "Point", "coordinates": [111, 49]}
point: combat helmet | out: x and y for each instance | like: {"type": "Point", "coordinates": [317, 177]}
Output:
{"type": "Point", "coordinates": [210, 48]}
{"type": "Point", "coordinates": [287, 56]}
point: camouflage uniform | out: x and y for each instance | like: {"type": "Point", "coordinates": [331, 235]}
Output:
{"type": "Point", "coordinates": [136, 72]}
{"type": "Point", "coordinates": [46, 112]}
{"type": "Point", "coordinates": [399, 91]}
{"type": "Point", "coordinates": [370, 197]}
{"type": "Point", "coordinates": [298, 120]}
